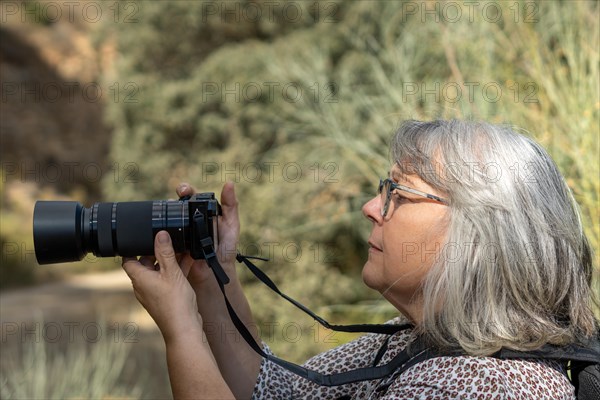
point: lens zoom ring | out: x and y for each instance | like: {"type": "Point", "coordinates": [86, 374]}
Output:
{"type": "Point", "coordinates": [105, 237]}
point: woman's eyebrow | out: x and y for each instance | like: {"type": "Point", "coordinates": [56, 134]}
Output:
{"type": "Point", "coordinates": [398, 177]}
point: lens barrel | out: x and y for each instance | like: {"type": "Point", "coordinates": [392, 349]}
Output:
{"type": "Point", "coordinates": [65, 231]}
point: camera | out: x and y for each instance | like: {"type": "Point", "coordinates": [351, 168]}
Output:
{"type": "Point", "coordinates": [65, 231]}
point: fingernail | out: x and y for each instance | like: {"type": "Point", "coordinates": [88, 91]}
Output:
{"type": "Point", "coordinates": [182, 188]}
{"type": "Point", "coordinates": [163, 237]}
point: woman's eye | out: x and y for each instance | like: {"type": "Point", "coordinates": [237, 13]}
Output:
{"type": "Point", "coordinates": [400, 198]}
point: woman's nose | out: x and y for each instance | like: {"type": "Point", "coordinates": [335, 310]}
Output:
{"type": "Point", "coordinates": [372, 209]}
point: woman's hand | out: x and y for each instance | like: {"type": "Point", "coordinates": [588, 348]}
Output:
{"type": "Point", "coordinates": [229, 231]}
{"type": "Point", "coordinates": [166, 294]}
{"type": "Point", "coordinates": [160, 285]}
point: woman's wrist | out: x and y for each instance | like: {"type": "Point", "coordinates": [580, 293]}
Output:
{"type": "Point", "coordinates": [182, 328]}
{"type": "Point", "coordinates": [209, 290]}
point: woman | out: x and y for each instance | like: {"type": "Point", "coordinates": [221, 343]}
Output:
{"type": "Point", "coordinates": [476, 240]}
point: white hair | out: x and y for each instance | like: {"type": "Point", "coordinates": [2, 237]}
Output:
{"type": "Point", "coordinates": [516, 268]}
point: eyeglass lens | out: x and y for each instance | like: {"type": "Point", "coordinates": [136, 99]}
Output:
{"type": "Point", "coordinates": [384, 191]}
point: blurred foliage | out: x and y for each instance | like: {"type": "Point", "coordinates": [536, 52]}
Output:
{"type": "Point", "coordinates": [12, 268]}
{"type": "Point", "coordinates": [324, 95]}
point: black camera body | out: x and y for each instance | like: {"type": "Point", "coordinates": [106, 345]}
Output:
{"type": "Point", "coordinates": [65, 231]}
{"type": "Point", "coordinates": [203, 212]}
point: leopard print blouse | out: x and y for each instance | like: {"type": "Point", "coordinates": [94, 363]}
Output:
{"type": "Point", "coordinates": [461, 377]}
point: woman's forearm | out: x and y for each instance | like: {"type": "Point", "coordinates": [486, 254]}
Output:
{"type": "Point", "coordinates": [193, 371]}
{"type": "Point", "coordinates": [239, 364]}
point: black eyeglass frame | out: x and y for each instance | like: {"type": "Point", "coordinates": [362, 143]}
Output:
{"type": "Point", "coordinates": [385, 205]}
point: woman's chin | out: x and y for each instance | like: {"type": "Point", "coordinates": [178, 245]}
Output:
{"type": "Point", "coordinates": [370, 276]}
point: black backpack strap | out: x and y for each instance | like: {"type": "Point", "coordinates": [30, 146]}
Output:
{"type": "Point", "coordinates": [584, 362]}
{"type": "Point", "coordinates": [572, 352]}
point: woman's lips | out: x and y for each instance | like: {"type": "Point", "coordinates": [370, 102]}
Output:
{"type": "Point", "coordinates": [373, 247]}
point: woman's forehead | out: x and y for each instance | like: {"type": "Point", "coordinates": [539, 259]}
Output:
{"type": "Point", "coordinates": [409, 179]}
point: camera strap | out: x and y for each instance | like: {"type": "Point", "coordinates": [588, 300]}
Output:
{"type": "Point", "coordinates": [400, 361]}
{"type": "Point", "coordinates": [372, 328]}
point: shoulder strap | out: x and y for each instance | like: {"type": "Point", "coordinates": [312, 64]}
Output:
{"type": "Point", "coordinates": [586, 353]}
{"type": "Point", "coordinates": [584, 363]}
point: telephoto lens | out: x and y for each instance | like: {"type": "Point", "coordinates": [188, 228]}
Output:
{"type": "Point", "coordinates": [65, 231]}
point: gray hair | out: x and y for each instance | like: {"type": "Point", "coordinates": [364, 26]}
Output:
{"type": "Point", "coordinates": [515, 270]}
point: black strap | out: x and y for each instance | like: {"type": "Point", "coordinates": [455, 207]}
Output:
{"type": "Point", "coordinates": [357, 375]}
{"type": "Point", "coordinates": [581, 356]}
{"type": "Point", "coordinates": [419, 352]}
{"type": "Point", "coordinates": [382, 351]}
{"type": "Point", "coordinates": [571, 352]}
{"type": "Point", "coordinates": [373, 328]}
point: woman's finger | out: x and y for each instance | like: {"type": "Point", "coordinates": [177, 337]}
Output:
{"type": "Point", "coordinates": [184, 189]}
{"type": "Point", "coordinates": [229, 202]}
{"type": "Point", "coordinates": [165, 255]}
{"type": "Point", "coordinates": [148, 261]}
{"type": "Point", "coordinates": [131, 266]}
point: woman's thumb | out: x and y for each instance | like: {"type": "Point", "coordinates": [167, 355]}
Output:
{"type": "Point", "coordinates": [164, 253]}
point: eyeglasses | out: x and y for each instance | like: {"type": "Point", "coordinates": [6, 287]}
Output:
{"type": "Point", "coordinates": [387, 186]}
